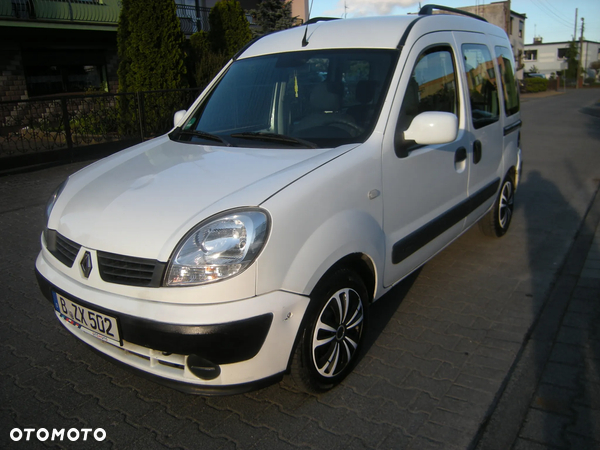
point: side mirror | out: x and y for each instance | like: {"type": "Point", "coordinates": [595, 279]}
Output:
{"type": "Point", "coordinates": [432, 127]}
{"type": "Point", "coordinates": [178, 117]}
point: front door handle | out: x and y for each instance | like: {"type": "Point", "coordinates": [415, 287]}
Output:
{"type": "Point", "coordinates": [460, 159]}
{"type": "Point", "coordinates": [460, 155]}
{"type": "Point", "coordinates": [476, 151]}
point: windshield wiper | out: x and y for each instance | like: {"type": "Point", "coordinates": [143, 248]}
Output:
{"type": "Point", "coordinates": [205, 135]}
{"type": "Point", "coordinates": [274, 137]}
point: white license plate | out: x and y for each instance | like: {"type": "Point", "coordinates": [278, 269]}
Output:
{"type": "Point", "coordinates": [92, 322]}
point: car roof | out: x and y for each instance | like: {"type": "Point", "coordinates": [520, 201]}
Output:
{"type": "Point", "coordinates": [387, 32]}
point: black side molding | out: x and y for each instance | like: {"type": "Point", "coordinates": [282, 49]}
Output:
{"type": "Point", "coordinates": [512, 127]}
{"type": "Point", "coordinates": [421, 237]}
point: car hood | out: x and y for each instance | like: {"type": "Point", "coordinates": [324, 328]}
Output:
{"type": "Point", "coordinates": [142, 201]}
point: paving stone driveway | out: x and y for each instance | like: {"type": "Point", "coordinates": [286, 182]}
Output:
{"type": "Point", "coordinates": [440, 348]}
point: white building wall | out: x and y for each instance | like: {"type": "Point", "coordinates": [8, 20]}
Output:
{"type": "Point", "coordinates": [548, 62]}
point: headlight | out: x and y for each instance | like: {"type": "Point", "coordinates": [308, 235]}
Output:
{"type": "Point", "coordinates": [219, 248]}
{"type": "Point", "coordinates": [53, 198]}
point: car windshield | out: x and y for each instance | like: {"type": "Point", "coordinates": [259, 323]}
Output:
{"type": "Point", "coordinates": [303, 99]}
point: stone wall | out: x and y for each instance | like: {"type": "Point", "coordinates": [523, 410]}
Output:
{"type": "Point", "coordinates": [12, 77]}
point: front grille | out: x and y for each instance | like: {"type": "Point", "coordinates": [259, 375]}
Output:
{"type": "Point", "coordinates": [63, 249]}
{"type": "Point", "coordinates": [129, 270]}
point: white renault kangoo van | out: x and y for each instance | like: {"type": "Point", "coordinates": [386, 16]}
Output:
{"type": "Point", "coordinates": [322, 165]}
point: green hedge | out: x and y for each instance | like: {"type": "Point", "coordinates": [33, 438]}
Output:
{"type": "Point", "coordinates": [536, 84]}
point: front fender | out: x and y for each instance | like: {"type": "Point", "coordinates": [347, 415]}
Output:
{"type": "Point", "coordinates": [331, 212]}
{"type": "Point", "coordinates": [346, 233]}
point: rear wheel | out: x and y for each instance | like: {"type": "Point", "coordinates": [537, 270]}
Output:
{"type": "Point", "coordinates": [496, 222]}
{"type": "Point", "coordinates": [332, 336]}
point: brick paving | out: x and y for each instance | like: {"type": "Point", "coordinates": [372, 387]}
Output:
{"type": "Point", "coordinates": [565, 409]}
{"type": "Point", "coordinates": [441, 352]}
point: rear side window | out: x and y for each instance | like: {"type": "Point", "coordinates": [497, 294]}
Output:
{"type": "Point", "coordinates": [481, 79]}
{"type": "Point", "coordinates": [509, 82]}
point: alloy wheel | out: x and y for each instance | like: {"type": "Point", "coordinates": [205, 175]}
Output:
{"type": "Point", "coordinates": [505, 206]}
{"type": "Point", "coordinates": [337, 332]}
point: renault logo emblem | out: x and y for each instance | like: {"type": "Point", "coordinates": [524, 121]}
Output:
{"type": "Point", "coordinates": [86, 264]}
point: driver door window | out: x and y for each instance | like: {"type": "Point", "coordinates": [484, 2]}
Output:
{"type": "Point", "coordinates": [432, 87]}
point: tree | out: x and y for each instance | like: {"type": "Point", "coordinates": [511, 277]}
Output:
{"type": "Point", "coordinates": [151, 57]}
{"type": "Point", "coordinates": [229, 28]}
{"type": "Point", "coordinates": [533, 69]}
{"type": "Point", "coordinates": [150, 44]}
{"type": "Point", "coordinates": [273, 15]}
{"type": "Point", "coordinates": [229, 33]}
{"type": "Point", "coordinates": [572, 61]}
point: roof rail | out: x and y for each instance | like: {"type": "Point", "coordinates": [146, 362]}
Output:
{"type": "Point", "coordinates": [427, 10]}
{"type": "Point", "coordinates": [320, 19]}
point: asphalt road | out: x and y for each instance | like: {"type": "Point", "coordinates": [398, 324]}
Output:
{"type": "Point", "coordinates": [442, 348]}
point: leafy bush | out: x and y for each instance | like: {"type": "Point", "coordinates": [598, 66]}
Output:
{"type": "Point", "coordinates": [536, 84]}
{"type": "Point", "coordinates": [207, 62]}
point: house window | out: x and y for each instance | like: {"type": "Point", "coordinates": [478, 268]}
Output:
{"type": "Point", "coordinates": [54, 71]}
{"type": "Point", "coordinates": [49, 80]}
{"type": "Point", "coordinates": [562, 53]}
{"type": "Point", "coordinates": [521, 26]}
{"type": "Point", "coordinates": [530, 55]}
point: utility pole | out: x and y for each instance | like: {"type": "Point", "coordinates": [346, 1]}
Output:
{"type": "Point", "coordinates": [580, 54]}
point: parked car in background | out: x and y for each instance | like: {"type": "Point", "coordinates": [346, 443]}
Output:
{"type": "Point", "coordinates": [534, 75]}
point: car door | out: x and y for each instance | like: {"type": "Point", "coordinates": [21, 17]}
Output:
{"type": "Point", "coordinates": [484, 124]}
{"type": "Point", "coordinates": [424, 186]}
{"type": "Point", "coordinates": [509, 92]}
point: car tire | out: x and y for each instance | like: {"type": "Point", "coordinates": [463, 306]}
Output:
{"type": "Point", "coordinates": [333, 333]}
{"type": "Point", "coordinates": [497, 221]}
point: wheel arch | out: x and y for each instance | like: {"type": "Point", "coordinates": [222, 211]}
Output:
{"type": "Point", "coordinates": [359, 263]}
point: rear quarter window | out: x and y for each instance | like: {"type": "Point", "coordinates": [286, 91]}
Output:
{"type": "Point", "coordinates": [481, 80]}
{"type": "Point", "coordinates": [509, 82]}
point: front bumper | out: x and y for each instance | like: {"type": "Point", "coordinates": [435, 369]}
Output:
{"type": "Point", "coordinates": [250, 345]}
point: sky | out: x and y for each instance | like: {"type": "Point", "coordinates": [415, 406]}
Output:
{"type": "Point", "coordinates": [553, 20]}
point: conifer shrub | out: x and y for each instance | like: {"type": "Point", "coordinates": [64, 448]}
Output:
{"type": "Point", "coordinates": [273, 15]}
{"type": "Point", "coordinates": [229, 28]}
{"type": "Point", "coordinates": [151, 57]}
{"type": "Point", "coordinates": [229, 32]}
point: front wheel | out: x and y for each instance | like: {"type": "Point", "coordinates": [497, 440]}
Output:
{"type": "Point", "coordinates": [332, 336]}
{"type": "Point", "coordinates": [496, 222]}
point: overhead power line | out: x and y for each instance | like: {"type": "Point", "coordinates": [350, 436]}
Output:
{"type": "Point", "coordinates": [546, 10]}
